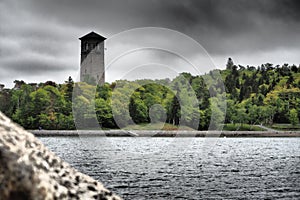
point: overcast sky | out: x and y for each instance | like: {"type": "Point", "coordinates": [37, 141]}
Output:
{"type": "Point", "coordinates": [39, 38]}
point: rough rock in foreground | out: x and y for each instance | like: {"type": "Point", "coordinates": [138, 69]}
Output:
{"type": "Point", "coordinates": [28, 170]}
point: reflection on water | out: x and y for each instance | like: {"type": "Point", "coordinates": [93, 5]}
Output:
{"type": "Point", "coordinates": [187, 168]}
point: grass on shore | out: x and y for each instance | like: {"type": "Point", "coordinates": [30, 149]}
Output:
{"type": "Point", "coordinates": [285, 127]}
{"type": "Point", "coordinates": [158, 126]}
{"type": "Point", "coordinates": [170, 127]}
{"type": "Point", "coordinates": [241, 127]}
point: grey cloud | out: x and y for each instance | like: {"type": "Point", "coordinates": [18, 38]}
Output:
{"type": "Point", "coordinates": [216, 24]}
{"type": "Point", "coordinates": [50, 28]}
{"type": "Point", "coordinates": [32, 65]}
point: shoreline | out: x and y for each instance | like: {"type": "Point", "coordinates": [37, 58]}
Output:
{"type": "Point", "coordinates": [161, 133]}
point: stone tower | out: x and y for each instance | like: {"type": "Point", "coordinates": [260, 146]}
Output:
{"type": "Point", "coordinates": [92, 59]}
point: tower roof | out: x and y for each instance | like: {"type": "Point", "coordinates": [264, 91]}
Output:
{"type": "Point", "coordinates": [92, 35]}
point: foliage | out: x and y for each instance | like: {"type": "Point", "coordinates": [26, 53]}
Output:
{"type": "Point", "coordinates": [294, 119]}
{"type": "Point", "coordinates": [241, 127]}
{"type": "Point", "coordinates": [267, 94]}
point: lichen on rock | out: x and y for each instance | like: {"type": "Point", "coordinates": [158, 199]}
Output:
{"type": "Point", "coordinates": [28, 170]}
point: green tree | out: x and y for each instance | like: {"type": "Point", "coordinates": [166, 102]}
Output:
{"type": "Point", "coordinates": [293, 117]}
{"type": "Point", "coordinates": [104, 113]}
{"type": "Point", "coordinates": [217, 114]}
{"type": "Point", "coordinates": [229, 64]}
{"type": "Point", "coordinates": [175, 111]}
{"type": "Point", "coordinates": [23, 111]}
{"type": "Point", "coordinates": [138, 110]}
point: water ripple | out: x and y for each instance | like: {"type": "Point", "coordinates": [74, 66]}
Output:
{"type": "Point", "coordinates": [235, 168]}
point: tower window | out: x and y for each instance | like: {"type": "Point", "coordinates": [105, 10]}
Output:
{"type": "Point", "coordinates": [91, 46]}
{"type": "Point", "coordinates": [86, 46]}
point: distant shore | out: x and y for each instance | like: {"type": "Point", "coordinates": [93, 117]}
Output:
{"type": "Point", "coordinates": [160, 133]}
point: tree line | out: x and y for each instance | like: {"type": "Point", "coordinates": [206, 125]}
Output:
{"type": "Point", "coordinates": [239, 94]}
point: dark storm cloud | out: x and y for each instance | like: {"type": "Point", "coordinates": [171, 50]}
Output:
{"type": "Point", "coordinates": [216, 24]}
{"type": "Point", "coordinates": [282, 10]}
{"type": "Point", "coordinates": [29, 66]}
{"type": "Point", "coordinates": [240, 28]}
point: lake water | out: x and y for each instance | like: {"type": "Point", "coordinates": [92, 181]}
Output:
{"type": "Point", "coordinates": [187, 168]}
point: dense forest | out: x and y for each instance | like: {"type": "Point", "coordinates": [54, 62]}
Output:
{"type": "Point", "coordinates": [237, 95]}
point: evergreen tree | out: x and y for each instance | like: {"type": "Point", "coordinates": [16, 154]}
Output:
{"type": "Point", "coordinates": [229, 64]}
